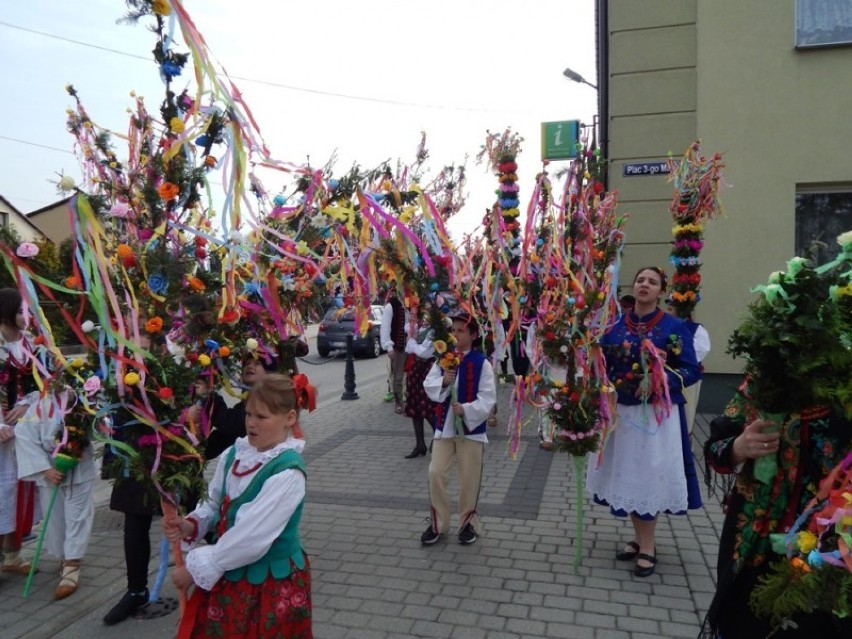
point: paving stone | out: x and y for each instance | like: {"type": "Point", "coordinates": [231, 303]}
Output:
{"type": "Point", "coordinates": [516, 582]}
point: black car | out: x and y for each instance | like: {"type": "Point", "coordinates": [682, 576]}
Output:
{"type": "Point", "coordinates": [340, 322]}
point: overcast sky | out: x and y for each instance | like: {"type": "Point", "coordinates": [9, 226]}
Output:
{"type": "Point", "coordinates": [452, 68]}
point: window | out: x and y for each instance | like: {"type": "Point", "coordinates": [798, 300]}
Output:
{"type": "Point", "coordinates": [821, 216]}
{"type": "Point", "coordinates": [823, 23]}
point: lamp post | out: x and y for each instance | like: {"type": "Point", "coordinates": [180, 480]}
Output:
{"type": "Point", "coordinates": [576, 77]}
{"type": "Point", "coordinates": [349, 374]}
{"type": "Point", "coordinates": [598, 124]}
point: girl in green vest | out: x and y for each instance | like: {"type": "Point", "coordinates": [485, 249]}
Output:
{"type": "Point", "coordinates": [254, 507]}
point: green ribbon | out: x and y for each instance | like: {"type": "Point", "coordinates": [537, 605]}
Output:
{"type": "Point", "coordinates": [458, 420]}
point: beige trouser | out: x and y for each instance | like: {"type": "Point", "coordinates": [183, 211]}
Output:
{"type": "Point", "coordinates": [397, 362]}
{"type": "Point", "coordinates": [690, 394]}
{"type": "Point", "coordinates": [469, 454]}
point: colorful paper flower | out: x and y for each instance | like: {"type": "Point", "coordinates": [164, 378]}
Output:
{"type": "Point", "coordinates": [161, 7]}
{"type": "Point", "coordinates": [119, 210]}
{"type": "Point", "coordinates": [168, 191]}
{"type": "Point", "coordinates": [66, 183]}
{"type": "Point", "coordinates": [92, 385]}
{"type": "Point", "coordinates": [807, 541]}
{"type": "Point", "coordinates": [154, 325]}
{"type": "Point", "coordinates": [131, 378]}
{"type": "Point", "coordinates": [177, 125]}
{"type": "Point", "coordinates": [157, 283]}
{"type": "Point", "coordinates": [27, 249]}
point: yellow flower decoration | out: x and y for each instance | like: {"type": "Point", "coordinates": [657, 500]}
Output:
{"type": "Point", "coordinates": [78, 362]}
{"type": "Point", "coordinates": [131, 379]}
{"type": "Point", "coordinates": [807, 541]}
{"type": "Point", "coordinates": [440, 346]}
{"type": "Point", "coordinates": [204, 360]}
{"type": "Point", "coordinates": [161, 7]}
{"type": "Point", "coordinates": [177, 125]}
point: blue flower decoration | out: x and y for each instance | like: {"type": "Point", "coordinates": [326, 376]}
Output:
{"type": "Point", "coordinates": [334, 183]}
{"type": "Point", "coordinates": [279, 200]}
{"type": "Point", "coordinates": [202, 140]}
{"type": "Point", "coordinates": [170, 70]}
{"type": "Point", "coordinates": [212, 344]}
{"type": "Point", "coordinates": [509, 203]}
{"type": "Point", "coordinates": [158, 284]}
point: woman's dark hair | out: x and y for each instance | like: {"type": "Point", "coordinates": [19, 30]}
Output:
{"type": "Point", "coordinates": [663, 279]}
{"type": "Point", "coordinates": [10, 304]}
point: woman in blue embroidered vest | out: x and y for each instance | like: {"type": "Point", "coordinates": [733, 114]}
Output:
{"type": "Point", "coordinates": [255, 581]}
{"type": "Point", "coordinates": [465, 397]}
{"type": "Point", "coordinates": [647, 465]}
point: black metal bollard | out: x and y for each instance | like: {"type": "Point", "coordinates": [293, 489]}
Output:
{"type": "Point", "coordinates": [349, 375]}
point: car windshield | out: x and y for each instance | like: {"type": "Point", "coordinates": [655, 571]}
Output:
{"type": "Point", "coordinates": [340, 315]}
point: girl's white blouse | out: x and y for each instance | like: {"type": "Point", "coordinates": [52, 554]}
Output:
{"type": "Point", "coordinates": [257, 524]}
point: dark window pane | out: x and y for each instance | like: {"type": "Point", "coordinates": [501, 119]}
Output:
{"type": "Point", "coordinates": [821, 217]}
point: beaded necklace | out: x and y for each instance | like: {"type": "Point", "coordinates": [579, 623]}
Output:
{"type": "Point", "coordinates": [235, 469]}
{"type": "Point", "coordinates": [642, 328]}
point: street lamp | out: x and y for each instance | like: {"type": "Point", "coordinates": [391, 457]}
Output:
{"type": "Point", "coordinates": [576, 77]}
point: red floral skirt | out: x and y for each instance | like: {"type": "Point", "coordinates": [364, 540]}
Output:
{"type": "Point", "coordinates": [275, 609]}
{"type": "Point", "coordinates": [417, 402]}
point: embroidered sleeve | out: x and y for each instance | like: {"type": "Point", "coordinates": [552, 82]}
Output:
{"type": "Point", "coordinates": [684, 369]}
{"type": "Point", "coordinates": [434, 384]}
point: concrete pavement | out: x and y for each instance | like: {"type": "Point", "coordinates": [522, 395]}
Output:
{"type": "Point", "coordinates": [365, 510]}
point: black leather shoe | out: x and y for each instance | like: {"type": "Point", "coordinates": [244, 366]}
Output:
{"type": "Point", "coordinates": [126, 606]}
{"type": "Point", "coordinates": [628, 555]}
{"type": "Point", "coordinates": [645, 571]}
{"type": "Point", "coordinates": [417, 452]}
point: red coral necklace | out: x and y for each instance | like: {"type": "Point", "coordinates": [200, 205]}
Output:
{"type": "Point", "coordinates": [642, 328]}
{"type": "Point", "coordinates": [235, 469]}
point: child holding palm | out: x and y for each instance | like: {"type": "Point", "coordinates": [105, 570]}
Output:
{"type": "Point", "coordinates": [254, 507]}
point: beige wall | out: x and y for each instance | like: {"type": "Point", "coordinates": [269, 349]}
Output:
{"type": "Point", "coordinates": [54, 222]}
{"type": "Point", "coordinates": [727, 72]}
{"type": "Point", "coordinates": [26, 230]}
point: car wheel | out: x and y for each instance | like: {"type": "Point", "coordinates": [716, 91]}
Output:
{"type": "Point", "coordinates": [375, 347]}
{"type": "Point", "coordinates": [323, 351]}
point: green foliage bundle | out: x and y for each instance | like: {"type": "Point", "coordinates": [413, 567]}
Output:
{"type": "Point", "coordinates": [797, 336]}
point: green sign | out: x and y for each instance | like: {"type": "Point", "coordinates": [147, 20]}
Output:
{"type": "Point", "coordinates": [559, 140]}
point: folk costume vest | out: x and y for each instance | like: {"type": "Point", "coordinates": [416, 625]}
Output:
{"type": "Point", "coordinates": [397, 324]}
{"type": "Point", "coordinates": [287, 547]}
{"type": "Point", "coordinates": [467, 379]}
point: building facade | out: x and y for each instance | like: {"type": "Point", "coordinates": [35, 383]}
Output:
{"type": "Point", "coordinates": [12, 217]}
{"type": "Point", "coordinates": [768, 85]}
{"type": "Point", "coordinates": [53, 220]}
